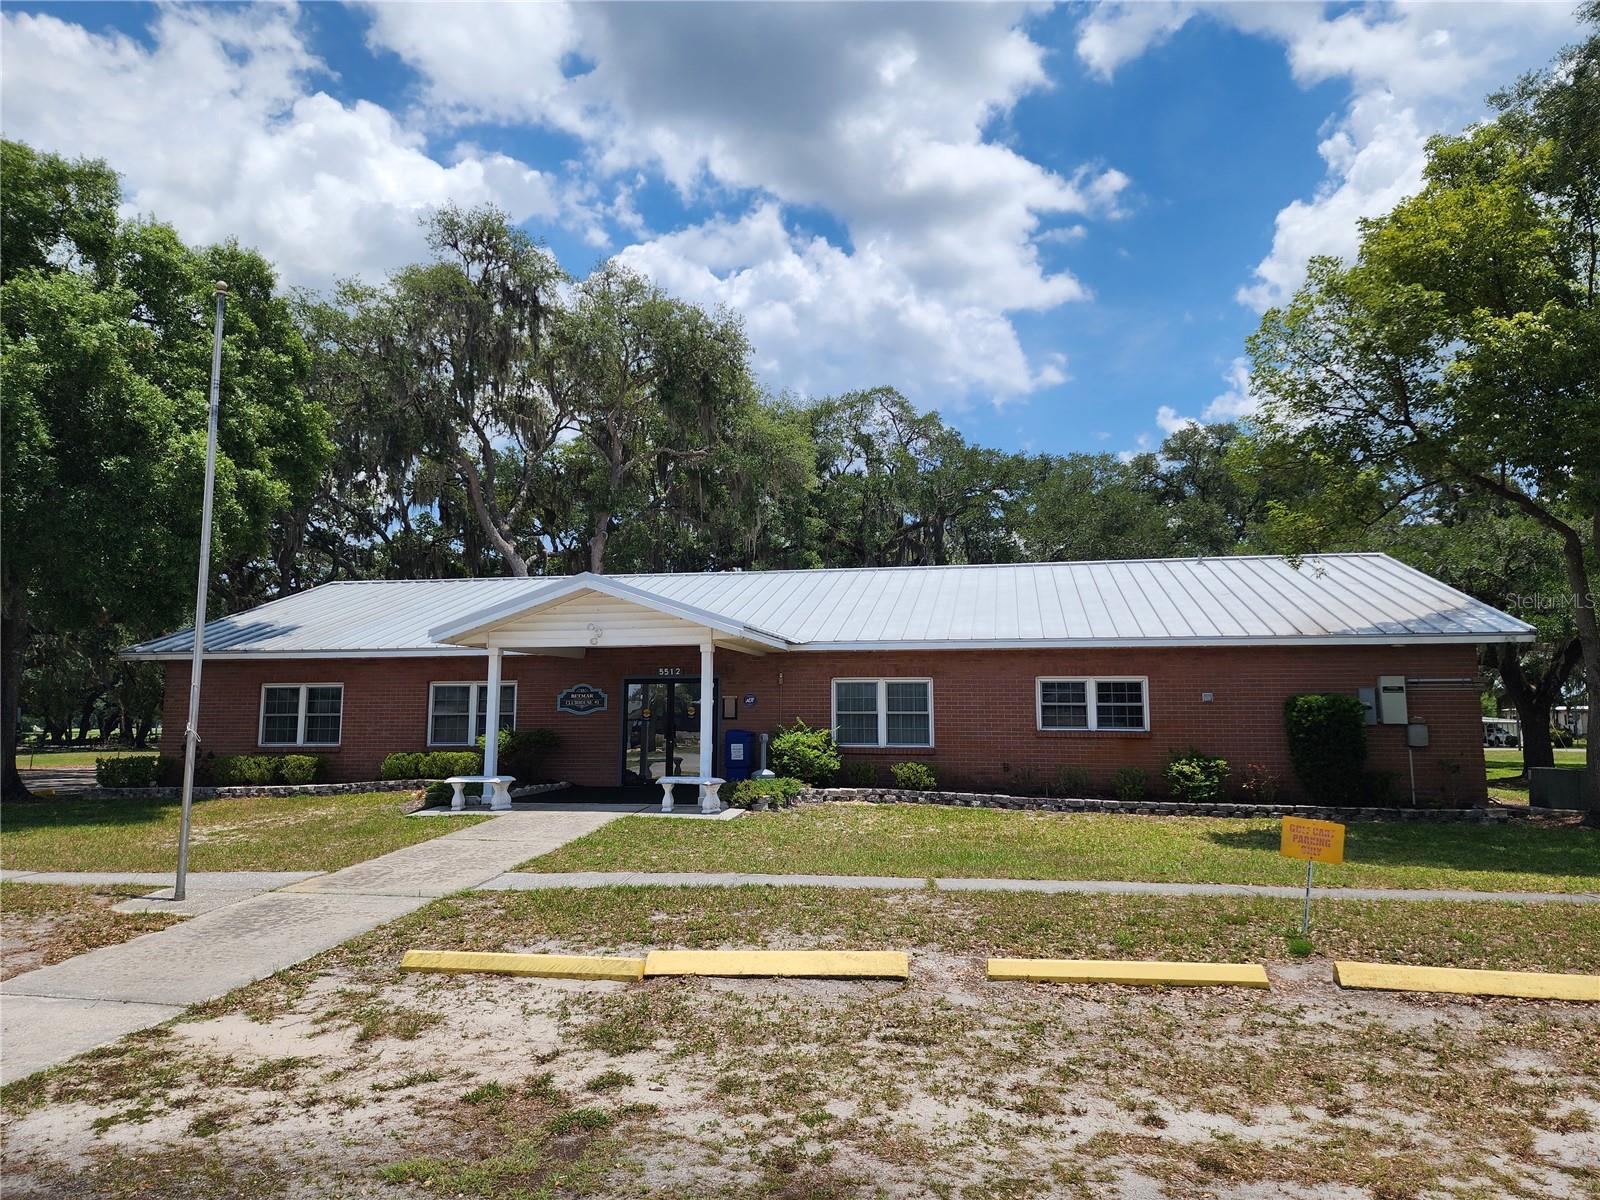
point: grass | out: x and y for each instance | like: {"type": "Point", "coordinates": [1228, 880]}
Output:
{"type": "Point", "coordinates": [784, 1090]}
{"type": "Point", "coordinates": [234, 833]}
{"type": "Point", "coordinates": [1482, 934]}
{"type": "Point", "coordinates": [935, 842]}
{"type": "Point", "coordinates": [1504, 770]}
{"type": "Point", "coordinates": [47, 760]}
{"type": "Point", "coordinates": [45, 923]}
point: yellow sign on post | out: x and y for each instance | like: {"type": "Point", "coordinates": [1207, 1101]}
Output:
{"type": "Point", "coordinates": [1314, 841]}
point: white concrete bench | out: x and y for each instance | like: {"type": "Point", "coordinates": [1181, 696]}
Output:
{"type": "Point", "coordinates": [708, 784]}
{"type": "Point", "coordinates": [499, 793]}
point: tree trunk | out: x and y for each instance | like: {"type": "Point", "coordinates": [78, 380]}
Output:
{"type": "Point", "coordinates": [1584, 601]}
{"type": "Point", "coordinates": [597, 542]}
{"type": "Point", "coordinates": [13, 641]}
{"type": "Point", "coordinates": [1535, 700]}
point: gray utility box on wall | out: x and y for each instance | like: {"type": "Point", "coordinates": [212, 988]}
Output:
{"type": "Point", "coordinates": [1392, 700]}
{"type": "Point", "coordinates": [1555, 787]}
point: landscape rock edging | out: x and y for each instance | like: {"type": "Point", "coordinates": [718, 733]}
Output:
{"type": "Point", "coordinates": [1154, 808]}
{"type": "Point", "coordinates": [298, 789]}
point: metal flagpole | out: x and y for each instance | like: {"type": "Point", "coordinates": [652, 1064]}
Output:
{"type": "Point", "coordinates": [191, 732]}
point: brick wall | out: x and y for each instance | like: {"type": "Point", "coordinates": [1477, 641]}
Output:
{"type": "Point", "coordinates": [983, 702]}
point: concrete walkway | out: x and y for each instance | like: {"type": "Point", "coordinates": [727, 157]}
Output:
{"type": "Point", "coordinates": [49, 1015]}
{"type": "Point", "coordinates": [531, 880]}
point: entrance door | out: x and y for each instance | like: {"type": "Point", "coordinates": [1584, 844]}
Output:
{"type": "Point", "coordinates": [661, 729]}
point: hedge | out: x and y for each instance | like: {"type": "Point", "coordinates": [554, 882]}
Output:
{"type": "Point", "coordinates": [779, 792]}
{"type": "Point", "coordinates": [250, 770]}
{"type": "Point", "coordinates": [430, 764]}
{"type": "Point", "coordinates": [123, 771]}
{"type": "Point", "coordinates": [1328, 746]}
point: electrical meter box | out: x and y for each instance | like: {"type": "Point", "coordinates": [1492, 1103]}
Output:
{"type": "Point", "coordinates": [1417, 736]}
{"type": "Point", "coordinates": [1369, 702]}
{"type": "Point", "coordinates": [1392, 700]}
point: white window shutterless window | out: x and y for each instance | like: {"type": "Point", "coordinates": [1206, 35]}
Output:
{"type": "Point", "coordinates": [883, 712]}
{"type": "Point", "coordinates": [301, 714]}
{"type": "Point", "coordinates": [454, 709]}
{"type": "Point", "coordinates": [1095, 703]}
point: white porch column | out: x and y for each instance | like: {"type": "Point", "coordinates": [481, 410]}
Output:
{"type": "Point", "coordinates": [491, 722]}
{"type": "Point", "coordinates": [707, 712]}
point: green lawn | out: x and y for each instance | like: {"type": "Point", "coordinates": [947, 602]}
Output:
{"type": "Point", "coordinates": [924, 842]}
{"type": "Point", "coordinates": [1504, 768]}
{"type": "Point", "coordinates": [251, 833]}
{"type": "Point", "coordinates": [45, 760]}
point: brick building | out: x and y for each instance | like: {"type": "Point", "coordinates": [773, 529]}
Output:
{"type": "Point", "coordinates": [997, 676]}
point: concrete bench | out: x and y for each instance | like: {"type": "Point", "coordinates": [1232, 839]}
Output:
{"type": "Point", "coordinates": [499, 789]}
{"type": "Point", "coordinates": [708, 785]}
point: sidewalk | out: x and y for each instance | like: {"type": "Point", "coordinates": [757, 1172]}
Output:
{"type": "Point", "coordinates": [49, 1015]}
{"type": "Point", "coordinates": [533, 880]}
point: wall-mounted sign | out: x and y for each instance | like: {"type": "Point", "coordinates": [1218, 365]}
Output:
{"type": "Point", "coordinates": [749, 699]}
{"type": "Point", "coordinates": [581, 699]}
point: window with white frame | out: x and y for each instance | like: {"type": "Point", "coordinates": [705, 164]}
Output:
{"type": "Point", "coordinates": [883, 712]}
{"type": "Point", "coordinates": [301, 714]}
{"type": "Point", "coordinates": [1093, 703]}
{"type": "Point", "coordinates": [454, 709]}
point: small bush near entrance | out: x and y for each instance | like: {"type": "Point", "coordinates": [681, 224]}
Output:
{"type": "Point", "coordinates": [1196, 778]}
{"type": "Point", "coordinates": [778, 792]}
{"type": "Point", "coordinates": [913, 776]}
{"type": "Point", "coordinates": [1127, 783]}
{"type": "Point", "coordinates": [430, 764]}
{"type": "Point", "coordinates": [523, 753]}
{"type": "Point", "coordinates": [801, 752]}
{"type": "Point", "coordinates": [124, 772]}
{"type": "Point", "coordinates": [1328, 745]}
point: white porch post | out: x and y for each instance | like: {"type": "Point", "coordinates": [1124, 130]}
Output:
{"type": "Point", "coordinates": [707, 713]}
{"type": "Point", "coordinates": [491, 731]}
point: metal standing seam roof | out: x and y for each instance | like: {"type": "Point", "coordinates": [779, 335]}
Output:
{"type": "Point", "coordinates": [1326, 599]}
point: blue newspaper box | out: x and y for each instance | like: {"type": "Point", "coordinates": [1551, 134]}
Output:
{"type": "Point", "coordinates": [738, 754]}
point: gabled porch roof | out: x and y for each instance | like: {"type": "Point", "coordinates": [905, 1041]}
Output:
{"type": "Point", "coordinates": [593, 610]}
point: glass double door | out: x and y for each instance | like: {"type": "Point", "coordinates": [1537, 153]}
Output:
{"type": "Point", "coordinates": [661, 731]}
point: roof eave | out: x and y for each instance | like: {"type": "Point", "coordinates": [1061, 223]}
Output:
{"type": "Point", "coordinates": [487, 618]}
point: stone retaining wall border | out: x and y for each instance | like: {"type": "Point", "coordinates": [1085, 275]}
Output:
{"type": "Point", "coordinates": [296, 789]}
{"type": "Point", "coordinates": [1157, 808]}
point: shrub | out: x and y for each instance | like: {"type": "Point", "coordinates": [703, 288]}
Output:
{"type": "Point", "coordinates": [913, 776]}
{"type": "Point", "coordinates": [779, 792]}
{"type": "Point", "coordinates": [858, 773]}
{"type": "Point", "coordinates": [1196, 778]}
{"type": "Point", "coordinates": [299, 768]}
{"type": "Point", "coordinates": [524, 752]}
{"type": "Point", "coordinates": [402, 764]}
{"type": "Point", "coordinates": [438, 795]}
{"type": "Point", "coordinates": [441, 764]}
{"type": "Point", "coordinates": [124, 772]}
{"type": "Point", "coordinates": [1127, 783]}
{"type": "Point", "coordinates": [1560, 738]}
{"type": "Point", "coordinates": [801, 752]}
{"type": "Point", "coordinates": [1024, 781]}
{"type": "Point", "coordinates": [1377, 788]}
{"type": "Point", "coordinates": [1327, 744]}
{"type": "Point", "coordinates": [1070, 781]}
{"type": "Point", "coordinates": [430, 764]}
{"type": "Point", "coordinates": [1257, 785]}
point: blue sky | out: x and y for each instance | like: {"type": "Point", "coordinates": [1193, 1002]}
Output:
{"type": "Point", "coordinates": [1057, 225]}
